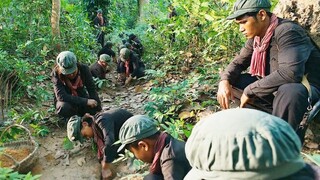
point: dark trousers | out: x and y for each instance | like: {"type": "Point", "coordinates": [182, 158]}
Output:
{"type": "Point", "coordinates": [67, 110]}
{"type": "Point", "coordinates": [290, 102]}
{"type": "Point", "coordinates": [153, 177]}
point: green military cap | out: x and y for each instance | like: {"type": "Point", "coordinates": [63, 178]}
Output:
{"type": "Point", "coordinates": [67, 62]}
{"type": "Point", "coordinates": [105, 57]}
{"type": "Point", "coordinates": [124, 54]}
{"type": "Point", "coordinates": [242, 7]}
{"type": "Point", "coordinates": [136, 128]}
{"type": "Point", "coordinates": [73, 129]}
{"type": "Point", "coordinates": [243, 144]}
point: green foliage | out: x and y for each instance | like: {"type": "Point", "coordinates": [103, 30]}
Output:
{"type": "Point", "coordinates": [123, 14]}
{"type": "Point", "coordinates": [67, 144]}
{"type": "Point", "coordinates": [40, 130]}
{"type": "Point", "coordinates": [9, 174]}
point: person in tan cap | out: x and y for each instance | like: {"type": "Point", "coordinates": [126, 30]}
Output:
{"type": "Point", "coordinates": [246, 144]}
{"type": "Point", "coordinates": [100, 68]}
{"type": "Point", "coordinates": [73, 86]}
{"type": "Point", "coordinates": [279, 54]}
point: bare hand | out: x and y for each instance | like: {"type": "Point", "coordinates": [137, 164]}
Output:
{"type": "Point", "coordinates": [244, 99]}
{"type": "Point", "coordinates": [105, 171]}
{"type": "Point", "coordinates": [92, 103]}
{"type": "Point", "coordinates": [128, 80]}
{"type": "Point", "coordinates": [224, 94]}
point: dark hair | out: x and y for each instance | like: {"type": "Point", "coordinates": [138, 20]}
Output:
{"type": "Point", "coordinates": [152, 137]}
{"type": "Point", "coordinates": [87, 119]}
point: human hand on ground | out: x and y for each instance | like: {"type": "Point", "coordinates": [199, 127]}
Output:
{"type": "Point", "coordinates": [244, 99]}
{"type": "Point", "coordinates": [105, 171]}
{"type": "Point", "coordinates": [92, 103]}
{"type": "Point", "coordinates": [128, 80]}
{"type": "Point", "coordinates": [224, 94]}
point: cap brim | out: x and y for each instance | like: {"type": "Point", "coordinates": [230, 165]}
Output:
{"type": "Point", "coordinates": [121, 147]}
{"type": "Point", "coordinates": [237, 13]}
{"type": "Point", "coordinates": [68, 71]}
{"type": "Point", "coordinates": [242, 12]}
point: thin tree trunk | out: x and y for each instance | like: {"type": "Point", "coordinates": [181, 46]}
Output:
{"type": "Point", "coordinates": [55, 19]}
{"type": "Point", "coordinates": [141, 4]}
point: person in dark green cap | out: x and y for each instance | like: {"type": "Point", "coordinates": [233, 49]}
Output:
{"type": "Point", "coordinates": [279, 54]}
{"type": "Point", "coordinates": [104, 129]}
{"type": "Point", "coordinates": [100, 68]}
{"type": "Point", "coordinates": [73, 86]}
{"type": "Point", "coordinates": [107, 49]}
{"type": "Point", "coordinates": [140, 135]}
{"type": "Point", "coordinates": [246, 144]}
{"type": "Point", "coordinates": [129, 66]}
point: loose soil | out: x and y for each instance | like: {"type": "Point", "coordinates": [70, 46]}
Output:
{"type": "Point", "coordinates": [17, 154]}
{"type": "Point", "coordinates": [56, 163]}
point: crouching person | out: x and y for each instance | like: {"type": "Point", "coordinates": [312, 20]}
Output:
{"type": "Point", "coordinates": [246, 144]}
{"type": "Point", "coordinates": [140, 135]}
{"type": "Point", "coordinates": [129, 66]}
{"type": "Point", "coordinates": [104, 129]}
{"type": "Point", "coordinates": [73, 86]}
{"type": "Point", "coordinates": [100, 68]}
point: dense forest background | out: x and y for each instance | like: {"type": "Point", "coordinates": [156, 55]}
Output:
{"type": "Point", "coordinates": [182, 74]}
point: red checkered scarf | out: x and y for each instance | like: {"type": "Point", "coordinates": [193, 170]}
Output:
{"type": "Point", "coordinates": [75, 85]}
{"type": "Point", "coordinates": [98, 139]}
{"type": "Point", "coordinates": [258, 59]}
{"type": "Point", "coordinates": [155, 167]}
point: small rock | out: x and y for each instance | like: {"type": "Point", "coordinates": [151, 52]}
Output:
{"type": "Point", "coordinates": [59, 154]}
{"type": "Point", "coordinates": [81, 161]}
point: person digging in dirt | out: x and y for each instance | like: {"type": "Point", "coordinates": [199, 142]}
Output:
{"type": "Point", "coordinates": [280, 55]}
{"type": "Point", "coordinates": [100, 68]}
{"type": "Point", "coordinates": [140, 135]}
{"type": "Point", "coordinates": [107, 49]}
{"type": "Point", "coordinates": [104, 129]}
{"type": "Point", "coordinates": [129, 66]}
{"type": "Point", "coordinates": [246, 144]}
{"type": "Point", "coordinates": [73, 86]}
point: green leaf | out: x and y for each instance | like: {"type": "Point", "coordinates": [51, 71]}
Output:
{"type": "Point", "coordinates": [315, 158]}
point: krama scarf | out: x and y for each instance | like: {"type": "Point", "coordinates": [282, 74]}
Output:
{"type": "Point", "coordinates": [75, 85]}
{"type": "Point", "coordinates": [258, 59]}
{"type": "Point", "coordinates": [155, 167]}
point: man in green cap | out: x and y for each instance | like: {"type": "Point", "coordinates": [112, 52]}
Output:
{"type": "Point", "coordinates": [140, 135]}
{"type": "Point", "coordinates": [129, 66]}
{"type": "Point", "coordinates": [107, 49]}
{"type": "Point", "coordinates": [246, 144]}
{"type": "Point", "coordinates": [279, 53]}
{"type": "Point", "coordinates": [73, 86]}
{"type": "Point", "coordinates": [100, 68]}
{"type": "Point", "coordinates": [104, 129]}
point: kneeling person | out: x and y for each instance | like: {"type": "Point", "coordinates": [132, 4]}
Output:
{"type": "Point", "coordinates": [100, 68]}
{"type": "Point", "coordinates": [104, 129]}
{"type": "Point", "coordinates": [140, 135]}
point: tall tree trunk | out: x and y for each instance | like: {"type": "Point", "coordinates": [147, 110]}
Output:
{"type": "Point", "coordinates": [55, 19]}
{"type": "Point", "coordinates": [141, 4]}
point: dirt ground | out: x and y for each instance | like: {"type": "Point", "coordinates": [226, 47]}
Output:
{"type": "Point", "coordinates": [55, 162]}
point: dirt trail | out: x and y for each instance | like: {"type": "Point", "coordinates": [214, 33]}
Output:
{"type": "Point", "coordinates": [81, 162]}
